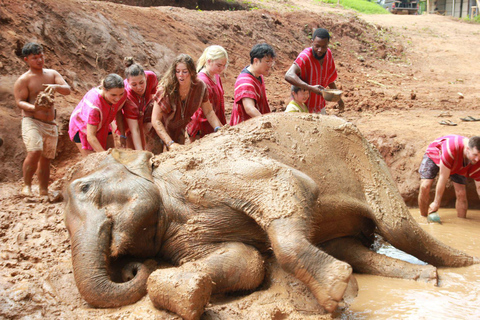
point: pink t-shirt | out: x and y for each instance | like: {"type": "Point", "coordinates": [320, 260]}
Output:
{"type": "Point", "coordinates": [314, 73]}
{"type": "Point", "coordinates": [449, 150]}
{"type": "Point", "coordinates": [93, 109]}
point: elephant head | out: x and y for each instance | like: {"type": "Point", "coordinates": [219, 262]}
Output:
{"type": "Point", "coordinates": [112, 212]}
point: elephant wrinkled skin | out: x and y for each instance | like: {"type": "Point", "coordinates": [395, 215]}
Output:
{"type": "Point", "coordinates": [309, 188]}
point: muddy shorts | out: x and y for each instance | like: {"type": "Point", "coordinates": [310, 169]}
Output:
{"type": "Point", "coordinates": [429, 170]}
{"type": "Point", "coordinates": [40, 136]}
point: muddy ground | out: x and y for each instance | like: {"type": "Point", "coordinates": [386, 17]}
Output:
{"type": "Point", "coordinates": [399, 75]}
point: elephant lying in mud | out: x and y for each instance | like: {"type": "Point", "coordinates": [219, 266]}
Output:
{"type": "Point", "coordinates": [309, 188]}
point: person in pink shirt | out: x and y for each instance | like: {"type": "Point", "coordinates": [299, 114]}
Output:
{"type": "Point", "coordinates": [210, 65]}
{"type": "Point", "coordinates": [313, 70]}
{"type": "Point", "coordinates": [140, 88]}
{"type": "Point", "coordinates": [451, 156]}
{"type": "Point", "coordinates": [250, 97]}
{"type": "Point", "coordinates": [90, 121]}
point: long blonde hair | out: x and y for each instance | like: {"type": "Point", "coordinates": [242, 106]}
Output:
{"type": "Point", "coordinates": [211, 53]}
{"type": "Point", "coordinates": [169, 83]}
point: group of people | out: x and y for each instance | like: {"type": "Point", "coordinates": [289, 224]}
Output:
{"type": "Point", "coordinates": [188, 101]}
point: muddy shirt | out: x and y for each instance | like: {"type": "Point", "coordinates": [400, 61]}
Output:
{"type": "Point", "coordinates": [314, 73]}
{"type": "Point", "coordinates": [248, 86]}
{"type": "Point", "coordinates": [199, 122]}
{"type": "Point", "coordinates": [177, 114]}
{"type": "Point", "coordinates": [93, 109]}
{"type": "Point", "coordinates": [449, 150]}
{"type": "Point", "coordinates": [135, 106]}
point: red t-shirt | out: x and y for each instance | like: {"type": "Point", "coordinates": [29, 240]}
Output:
{"type": "Point", "coordinates": [314, 73]}
{"type": "Point", "coordinates": [449, 150]}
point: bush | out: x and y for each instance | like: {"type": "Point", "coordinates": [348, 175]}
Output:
{"type": "Point", "coordinates": [362, 6]}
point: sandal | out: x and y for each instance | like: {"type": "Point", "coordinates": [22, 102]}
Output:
{"type": "Point", "coordinates": [469, 118]}
{"type": "Point", "coordinates": [447, 123]}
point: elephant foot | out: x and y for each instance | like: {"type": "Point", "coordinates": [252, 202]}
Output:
{"type": "Point", "coordinates": [428, 274]}
{"type": "Point", "coordinates": [337, 284]}
{"type": "Point", "coordinates": [184, 293]}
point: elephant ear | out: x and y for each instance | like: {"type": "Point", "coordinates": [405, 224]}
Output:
{"type": "Point", "coordinates": [137, 162]}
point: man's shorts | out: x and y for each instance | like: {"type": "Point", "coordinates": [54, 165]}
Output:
{"type": "Point", "coordinates": [429, 170]}
{"type": "Point", "coordinates": [40, 136]}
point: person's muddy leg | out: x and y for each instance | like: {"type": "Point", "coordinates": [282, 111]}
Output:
{"type": "Point", "coordinates": [364, 260]}
{"type": "Point", "coordinates": [424, 196]}
{"type": "Point", "coordinates": [187, 289]}
{"type": "Point", "coordinates": [326, 277]}
{"type": "Point", "coordinates": [29, 168]}
{"type": "Point", "coordinates": [43, 174]}
{"type": "Point", "coordinates": [461, 202]}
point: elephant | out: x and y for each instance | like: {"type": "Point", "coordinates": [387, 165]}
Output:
{"type": "Point", "coordinates": [308, 189]}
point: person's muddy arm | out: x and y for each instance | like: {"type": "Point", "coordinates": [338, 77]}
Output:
{"type": "Point", "coordinates": [477, 187]}
{"type": "Point", "coordinates": [210, 115]}
{"type": "Point", "coordinates": [92, 138]}
{"type": "Point", "coordinates": [60, 85]}
{"type": "Point", "coordinates": [135, 130]}
{"type": "Point", "coordinates": [440, 188]}
{"type": "Point", "coordinates": [20, 92]}
{"type": "Point", "coordinates": [250, 109]}
{"type": "Point", "coordinates": [121, 128]}
{"type": "Point", "coordinates": [157, 124]}
{"type": "Point", "coordinates": [293, 77]}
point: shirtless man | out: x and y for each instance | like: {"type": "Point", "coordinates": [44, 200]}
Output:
{"type": "Point", "coordinates": [39, 131]}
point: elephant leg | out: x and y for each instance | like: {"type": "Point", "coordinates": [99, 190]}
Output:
{"type": "Point", "coordinates": [326, 277]}
{"type": "Point", "coordinates": [364, 260]}
{"type": "Point", "coordinates": [187, 289]}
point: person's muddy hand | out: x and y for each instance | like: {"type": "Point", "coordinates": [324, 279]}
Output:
{"type": "Point", "coordinates": [50, 88]}
{"type": "Point", "coordinates": [317, 89]}
{"type": "Point", "coordinates": [123, 142]}
{"type": "Point", "coordinates": [433, 207]}
{"type": "Point", "coordinates": [341, 105]}
{"type": "Point", "coordinates": [174, 146]}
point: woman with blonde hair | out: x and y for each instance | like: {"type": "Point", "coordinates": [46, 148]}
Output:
{"type": "Point", "coordinates": [179, 95]}
{"type": "Point", "coordinates": [210, 65]}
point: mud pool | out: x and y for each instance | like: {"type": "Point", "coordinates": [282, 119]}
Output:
{"type": "Point", "coordinates": [458, 293]}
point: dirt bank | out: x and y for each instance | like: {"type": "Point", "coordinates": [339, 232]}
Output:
{"type": "Point", "coordinates": [399, 74]}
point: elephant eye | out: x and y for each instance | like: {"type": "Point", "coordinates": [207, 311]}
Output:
{"type": "Point", "coordinates": [84, 188]}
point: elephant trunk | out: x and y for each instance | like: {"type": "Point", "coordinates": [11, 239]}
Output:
{"type": "Point", "coordinates": [90, 258]}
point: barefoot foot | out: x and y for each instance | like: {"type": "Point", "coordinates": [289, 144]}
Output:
{"type": "Point", "coordinates": [27, 191]}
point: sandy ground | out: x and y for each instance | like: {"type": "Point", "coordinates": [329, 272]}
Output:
{"type": "Point", "coordinates": [399, 75]}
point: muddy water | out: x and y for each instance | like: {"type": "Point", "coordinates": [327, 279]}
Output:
{"type": "Point", "coordinates": [458, 293]}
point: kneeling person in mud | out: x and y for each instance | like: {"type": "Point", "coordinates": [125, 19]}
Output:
{"type": "Point", "coordinates": [451, 156]}
{"type": "Point", "coordinates": [33, 93]}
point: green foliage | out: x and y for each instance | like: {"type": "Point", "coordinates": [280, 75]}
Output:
{"type": "Point", "coordinates": [475, 19]}
{"type": "Point", "coordinates": [362, 6]}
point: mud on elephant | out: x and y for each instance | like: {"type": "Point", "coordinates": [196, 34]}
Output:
{"type": "Point", "coordinates": [309, 188]}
